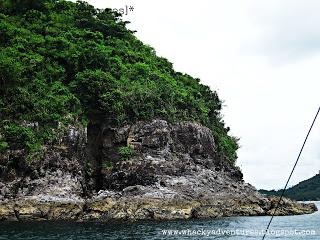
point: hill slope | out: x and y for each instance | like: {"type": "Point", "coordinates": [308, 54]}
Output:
{"type": "Point", "coordinates": [95, 126]}
{"type": "Point", "coordinates": [63, 62]}
{"type": "Point", "coordinates": [307, 190]}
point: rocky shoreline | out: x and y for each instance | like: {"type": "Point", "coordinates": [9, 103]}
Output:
{"type": "Point", "coordinates": [174, 173]}
{"type": "Point", "coordinates": [139, 208]}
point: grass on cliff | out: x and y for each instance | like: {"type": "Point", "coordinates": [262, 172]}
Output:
{"type": "Point", "coordinates": [62, 61]}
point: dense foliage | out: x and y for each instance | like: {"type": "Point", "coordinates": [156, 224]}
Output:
{"type": "Point", "coordinates": [62, 61]}
{"type": "Point", "coordinates": [308, 190]}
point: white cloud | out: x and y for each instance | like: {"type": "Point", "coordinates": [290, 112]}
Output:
{"type": "Point", "coordinates": [288, 29]}
{"type": "Point", "coordinates": [262, 56]}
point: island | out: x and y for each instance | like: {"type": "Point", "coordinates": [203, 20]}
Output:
{"type": "Point", "coordinates": [94, 126]}
{"type": "Point", "coordinates": [307, 190]}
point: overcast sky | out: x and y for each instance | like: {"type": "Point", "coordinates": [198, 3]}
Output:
{"type": "Point", "coordinates": [263, 58]}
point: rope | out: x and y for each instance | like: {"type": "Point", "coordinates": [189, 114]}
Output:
{"type": "Point", "coordinates": [284, 189]}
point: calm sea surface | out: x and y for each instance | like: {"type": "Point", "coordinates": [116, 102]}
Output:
{"type": "Point", "coordinates": [291, 227]}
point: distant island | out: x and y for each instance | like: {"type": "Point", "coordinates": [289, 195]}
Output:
{"type": "Point", "coordinates": [308, 190]}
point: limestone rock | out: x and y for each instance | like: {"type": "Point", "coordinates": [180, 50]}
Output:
{"type": "Point", "coordinates": [174, 173]}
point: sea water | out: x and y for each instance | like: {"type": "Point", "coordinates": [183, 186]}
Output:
{"type": "Point", "coordinates": [285, 227]}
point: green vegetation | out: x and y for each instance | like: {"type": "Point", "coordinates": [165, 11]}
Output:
{"type": "Point", "coordinates": [3, 146]}
{"type": "Point", "coordinates": [107, 165]}
{"type": "Point", "coordinates": [308, 190]}
{"type": "Point", "coordinates": [126, 152]}
{"type": "Point", "coordinates": [66, 62]}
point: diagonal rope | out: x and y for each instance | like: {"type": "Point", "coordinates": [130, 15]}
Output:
{"type": "Point", "coordinates": [284, 189]}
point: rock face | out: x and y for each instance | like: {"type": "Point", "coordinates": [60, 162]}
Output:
{"type": "Point", "coordinates": [173, 172]}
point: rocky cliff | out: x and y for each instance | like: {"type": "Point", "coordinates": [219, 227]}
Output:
{"type": "Point", "coordinates": [147, 170]}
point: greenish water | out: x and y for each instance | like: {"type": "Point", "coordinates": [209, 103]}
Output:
{"type": "Point", "coordinates": [288, 227]}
